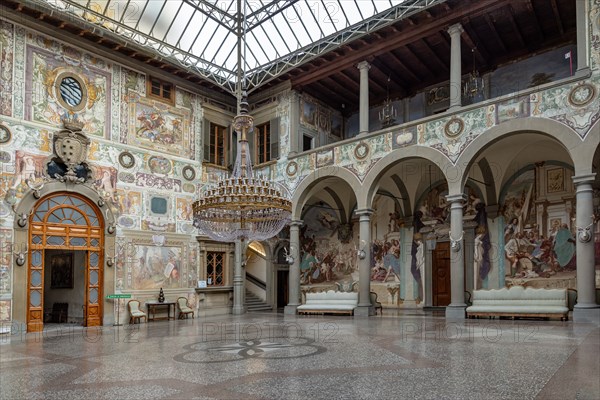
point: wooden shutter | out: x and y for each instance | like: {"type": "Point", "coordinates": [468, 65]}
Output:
{"type": "Point", "coordinates": [274, 129]}
{"type": "Point", "coordinates": [206, 140]}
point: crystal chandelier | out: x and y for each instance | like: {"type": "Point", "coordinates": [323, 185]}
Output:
{"type": "Point", "coordinates": [242, 207]}
{"type": "Point", "coordinates": [387, 115]}
{"type": "Point", "coordinates": [474, 83]}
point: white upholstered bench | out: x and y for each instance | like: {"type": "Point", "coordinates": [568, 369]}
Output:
{"type": "Point", "coordinates": [518, 301]}
{"type": "Point", "coordinates": [329, 302]}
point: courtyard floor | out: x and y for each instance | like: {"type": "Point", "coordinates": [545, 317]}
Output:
{"type": "Point", "coordinates": [400, 355]}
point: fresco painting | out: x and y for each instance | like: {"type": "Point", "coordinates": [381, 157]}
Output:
{"type": "Point", "coordinates": [153, 267]}
{"type": "Point", "coordinates": [539, 233]}
{"type": "Point", "coordinates": [42, 102]}
{"type": "Point", "coordinates": [158, 126]}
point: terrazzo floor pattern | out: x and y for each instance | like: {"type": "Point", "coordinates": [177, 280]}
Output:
{"type": "Point", "coordinates": [272, 356]}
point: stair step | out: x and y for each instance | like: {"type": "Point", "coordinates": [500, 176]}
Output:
{"type": "Point", "coordinates": [255, 303]}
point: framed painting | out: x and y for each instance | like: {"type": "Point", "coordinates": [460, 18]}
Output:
{"type": "Point", "coordinates": [555, 179]}
{"type": "Point", "coordinates": [61, 271]}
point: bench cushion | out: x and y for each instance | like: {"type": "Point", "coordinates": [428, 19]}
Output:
{"type": "Point", "coordinates": [520, 300]}
{"type": "Point", "coordinates": [330, 300]}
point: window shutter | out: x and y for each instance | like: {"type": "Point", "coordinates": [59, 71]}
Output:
{"type": "Point", "coordinates": [274, 138]}
{"type": "Point", "coordinates": [206, 140]}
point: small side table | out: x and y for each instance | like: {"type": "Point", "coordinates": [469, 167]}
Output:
{"type": "Point", "coordinates": [151, 307]}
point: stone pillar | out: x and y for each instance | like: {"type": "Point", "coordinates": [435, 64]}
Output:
{"type": "Point", "coordinates": [364, 308]}
{"type": "Point", "coordinates": [238, 279]}
{"type": "Point", "coordinates": [468, 242]}
{"type": "Point", "coordinates": [456, 309]}
{"type": "Point", "coordinates": [583, 68]}
{"type": "Point", "coordinates": [294, 274]}
{"type": "Point", "coordinates": [406, 111]}
{"type": "Point", "coordinates": [426, 280]}
{"type": "Point", "coordinates": [586, 309]}
{"type": "Point", "coordinates": [294, 123]}
{"type": "Point", "coordinates": [455, 66]}
{"type": "Point", "coordinates": [363, 116]}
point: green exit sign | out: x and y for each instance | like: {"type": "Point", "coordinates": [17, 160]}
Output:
{"type": "Point", "coordinates": [119, 296]}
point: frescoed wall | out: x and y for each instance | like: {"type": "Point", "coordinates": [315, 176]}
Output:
{"type": "Point", "coordinates": [538, 209]}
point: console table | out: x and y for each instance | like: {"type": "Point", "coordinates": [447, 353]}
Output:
{"type": "Point", "coordinates": [152, 305]}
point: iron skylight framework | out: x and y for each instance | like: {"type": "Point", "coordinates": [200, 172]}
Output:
{"type": "Point", "coordinates": [212, 38]}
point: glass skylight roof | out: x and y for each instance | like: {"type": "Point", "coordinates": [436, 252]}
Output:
{"type": "Point", "coordinates": [205, 35]}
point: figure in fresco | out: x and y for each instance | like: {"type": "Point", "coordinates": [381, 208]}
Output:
{"type": "Point", "coordinates": [391, 260]}
{"type": "Point", "coordinates": [510, 229]}
{"type": "Point", "coordinates": [478, 252]}
{"type": "Point", "coordinates": [395, 222]}
{"type": "Point", "coordinates": [27, 170]}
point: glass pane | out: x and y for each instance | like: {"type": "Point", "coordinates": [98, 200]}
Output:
{"type": "Point", "coordinates": [93, 277]}
{"type": "Point", "coordinates": [36, 239]}
{"type": "Point", "coordinates": [70, 91]}
{"type": "Point", "coordinates": [36, 258]}
{"type": "Point", "coordinates": [77, 241]}
{"type": "Point", "coordinates": [54, 218]}
{"type": "Point", "coordinates": [35, 298]}
{"type": "Point", "coordinates": [88, 210]}
{"type": "Point", "coordinates": [43, 207]}
{"type": "Point", "coordinates": [55, 240]}
{"type": "Point", "coordinates": [36, 278]}
{"type": "Point", "coordinates": [93, 296]}
{"type": "Point", "coordinates": [95, 242]}
{"type": "Point", "coordinates": [94, 260]}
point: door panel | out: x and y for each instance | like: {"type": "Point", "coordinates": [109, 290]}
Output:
{"type": "Point", "coordinates": [441, 275]}
{"type": "Point", "coordinates": [93, 298]}
{"type": "Point", "coordinates": [35, 318]}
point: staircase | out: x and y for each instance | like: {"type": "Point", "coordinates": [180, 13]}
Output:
{"type": "Point", "coordinates": [254, 303]}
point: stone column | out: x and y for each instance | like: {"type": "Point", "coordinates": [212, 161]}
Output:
{"type": "Point", "coordinates": [238, 280]}
{"type": "Point", "coordinates": [456, 309]}
{"type": "Point", "coordinates": [364, 308]}
{"type": "Point", "coordinates": [583, 68]}
{"type": "Point", "coordinates": [294, 274]}
{"type": "Point", "coordinates": [586, 309]}
{"type": "Point", "coordinates": [455, 66]}
{"type": "Point", "coordinates": [294, 123]}
{"type": "Point", "coordinates": [363, 116]}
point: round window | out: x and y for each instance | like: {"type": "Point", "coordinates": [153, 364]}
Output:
{"type": "Point", "coordinates": [71, 92]}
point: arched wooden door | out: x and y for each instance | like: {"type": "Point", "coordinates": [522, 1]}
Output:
{"type": "Point", "coordinates": [65, 221]}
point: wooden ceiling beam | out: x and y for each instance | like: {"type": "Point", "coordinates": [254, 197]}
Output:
{"type": "Point", "coordinates": [481, 54]}
{"type": "Point", "coordinates": [537, 27]}
{"type": "Point", "coordinates": [403, 67]}
{"type": "Point", "coordinates": [556, 13]}
{"type": "Point", "coordinates": [433, 55]}
{"type": "Point", "coordinates": [490, 24]}
{"type": "Point", "coordinates": [394, 78]}
{"type": "Point", "coordinates": [472, 8]}
{"type": "Point", "coordinates": [513, 23]}
{"type": "Point", "coordinates": [421, 64]}
{"type": "Point", "coordinates": [323, 87]}
{"type": "Point", "coordinates": [346, 90]}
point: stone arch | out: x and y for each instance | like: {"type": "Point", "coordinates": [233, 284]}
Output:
{"type": "Point", "coordinates": [26, 206]}
{"type": "Point", "coordinates": [585, 153]}
{"type": "Point", "coordinates": [564, 135]}
{"type": "Point", "coordinates": [304, 190]}
{"type": "Point", "coordinates": [365, 197]}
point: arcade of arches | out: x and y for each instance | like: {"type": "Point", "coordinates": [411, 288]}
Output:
{"type": "Point", "coordinates": [492, 192]}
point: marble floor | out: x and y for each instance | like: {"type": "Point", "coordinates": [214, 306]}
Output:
{"type": "Point", "coordinates": [405, 355]}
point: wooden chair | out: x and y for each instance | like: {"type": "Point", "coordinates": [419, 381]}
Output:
{"type": "Point", "coordinates": [375, 303]}
{"type": "Point", "coordinates": [135, 314]}
{"type": "Point", "coordinates": [184, 309]}
{"type": "Point", "coordinates": [60, 312]}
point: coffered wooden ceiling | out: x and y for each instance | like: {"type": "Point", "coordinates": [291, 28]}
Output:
{"type": "Point", "coordinates": [412, 53]}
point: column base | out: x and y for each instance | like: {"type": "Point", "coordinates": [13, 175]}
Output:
{"type": "Point", "coordinates": [364, 311]}
{"type": "Point", "coordinates": [290, 309]}
{"type": "Point", "coordinates": [583, 72]}
{"type": "Point", "coordinates": [238, 310]}
{"type": "Point", "coordinates": [590, 315]}
{"type": "Point", "coordinates": [456, 312]}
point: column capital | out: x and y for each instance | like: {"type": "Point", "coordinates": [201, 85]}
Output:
{"type": "Point", "coordinates": [583, 179]}
{"type": "Point", "coordinates": [296, 222]}
{"type": "Point", "coordinates": [364, 212]}
{"type": "Point", "coordinates": [455, 29]}
{"type": "Point", "coordinates": [456, 198]}
{"type": "Point", "coordinates": [363, 65]}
